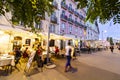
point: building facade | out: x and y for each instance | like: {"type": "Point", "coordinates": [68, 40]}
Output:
{"type": "Point", "coordinates": [67, 22]}
{"type": "Point", "coordinates": [92, 32]}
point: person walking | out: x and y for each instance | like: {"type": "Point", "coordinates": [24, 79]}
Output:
{"type": "Point", "coordinates": [68, 57]}
{"type": "Point", "coordinates": [112, 48]}
{"type": "Point", "coordinates": [89, 49]}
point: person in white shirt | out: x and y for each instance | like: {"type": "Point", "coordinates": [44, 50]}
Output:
{"type": "Point", "coordinates": [68, 56]}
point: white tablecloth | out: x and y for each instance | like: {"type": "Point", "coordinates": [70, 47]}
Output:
{"type": "Point", "coordinates": [7, 59]}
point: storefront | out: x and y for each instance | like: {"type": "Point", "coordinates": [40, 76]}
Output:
{"type": "Point", "coordinates": [14, 37]}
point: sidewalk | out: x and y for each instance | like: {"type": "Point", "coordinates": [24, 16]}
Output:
{"type": "Point", "coordinates": [47, 74]}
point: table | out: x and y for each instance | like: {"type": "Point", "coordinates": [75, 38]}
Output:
{"type": "Point", "coordinates": [6, 60]}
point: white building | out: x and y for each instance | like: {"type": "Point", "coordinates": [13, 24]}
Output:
{"type": "Point", "coordinates": [92, 32]}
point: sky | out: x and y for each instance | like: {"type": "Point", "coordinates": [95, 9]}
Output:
{"type": "Point", "coordinates": [109, 30]}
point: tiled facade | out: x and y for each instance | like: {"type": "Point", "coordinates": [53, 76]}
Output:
{"type": "Point", "coordinates": [67, 20]}
{"type": "Point", "coordinates": [71, 19]}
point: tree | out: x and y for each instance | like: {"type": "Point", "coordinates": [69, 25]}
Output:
{"type": "Point", "coordinates": [111, 41]}
{"type": "Point", "coordinates": [105, 10]}
{"type": "Point", "coordinates": [26, 11]}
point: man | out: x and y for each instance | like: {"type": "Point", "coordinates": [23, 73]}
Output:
{"type": "Point", "coordinates": [68, 56]}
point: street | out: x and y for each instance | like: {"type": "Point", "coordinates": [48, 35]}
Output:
{"type": "Point", "coordinates": [96, 66]}
{"type": "Point", "coordinates": [102, 65]}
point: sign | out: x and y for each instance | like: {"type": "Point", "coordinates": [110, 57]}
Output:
{"type": "Point", "coordinates": [30, 59]}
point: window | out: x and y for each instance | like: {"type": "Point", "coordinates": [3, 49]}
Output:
{"type": "Point", "coordinates": [52, 28]}
{"type": "Point", "coordinates": [54, 14]}
{"type": "Point", "coordinates": [70, 5]}
{"type": "Point", "coordinates": [80, 32]}
{"type": "Point", "coordinates": [63, 12]}
{"type": "Point", "coordinates": [75, 19]}
{"type": "Point", "coordinates": [38, 25]}
{"type": "Point", "coordinates": [63, 25]}
{"type": "Point", "coordinates": [70, 16]}
{"type": "Point", "coordinates": [27, 42]}
{"type": "Point", "coordinates": [70, 28]}
{"type": "Point", "coordinates": [76, 30]}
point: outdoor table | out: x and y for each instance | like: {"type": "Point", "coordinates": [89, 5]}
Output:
{"type": "Point", "coordinates": [6, 59]}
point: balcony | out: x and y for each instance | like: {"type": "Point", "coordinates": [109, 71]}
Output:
{"type": "Point", "coordinates": [76, 13]}
{"type": "Point", "coordinates": [55, 4]}
{"type": "Point", "coordinates": [53, 19]}
{"type": "Point", "coordinates": [80, 24]}
{"type": "Point", "coordinates": [81, 16]}
{"type": "Point", "coordinates": [71, 10]}
{"type": "Point", "coordinates": [63, 17]}
{"type": "Point", "coordinates": [76, 23]}
{"type": "Point", "coordinates": [64, 5]}
{"type": "Point", "coordinates": [70, 20]}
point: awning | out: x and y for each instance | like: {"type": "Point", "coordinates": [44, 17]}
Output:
{"type": "Point", "coordinates": [16, 31]}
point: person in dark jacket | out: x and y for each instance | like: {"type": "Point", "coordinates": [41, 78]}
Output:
{"type": "Point", "coordinates": [112, 48]}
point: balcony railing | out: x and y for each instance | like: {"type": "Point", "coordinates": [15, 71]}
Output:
{"type": "Point", "coordinates": [76, 23]}
{"type": "Point", "coordinates": [70, 20]}
{"type": "Point", "coordinates": [76, 13]}
{"type": "Point", "coordinates": [55, 4]}
{"type": "Point", "coordinates": [81, 17]}
{"type": "Point", "coordinates": [64, 5]}
{"type": "Point", "coordinates": [80, 24]}
{"type": "Point", "coordinates": [53, 19]}
{"type": "Point", "coordinates": [71, 10]}
{"type": "Point", "coordinates": [63, 17]}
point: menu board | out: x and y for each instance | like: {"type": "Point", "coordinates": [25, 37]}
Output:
{"type": "Point", "coordinates": [30, 59]}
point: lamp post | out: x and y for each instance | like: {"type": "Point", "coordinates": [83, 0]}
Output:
{"type": "Point", "coordinates": [48, 37]}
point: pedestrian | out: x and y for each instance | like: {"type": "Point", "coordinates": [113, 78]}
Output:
{"type": "Point", "coordinates": [74, 52]}
{"type": "Point", "coordinates": [112, 48]}
{"type": "Point", "coordinates": [119, 48]}
{"type": "Point", "coordinates": [89, 49]}
{"type": "Point", "coordinates": [68, 57]}
{"type": "Point", "coordinates": [39, 57]}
